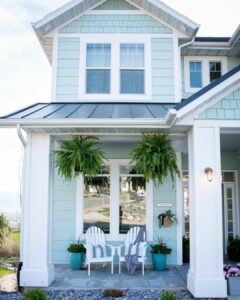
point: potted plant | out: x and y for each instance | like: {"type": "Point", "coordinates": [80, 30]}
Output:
{"type": "Point", "coordinates": [167, 218]}
{"type": "Point", "coordinates": [232, 274]}
{"type": "Point", "coordinates": [159, 255]}
{"type": "Point", "coordinates": [186, 248]}
{"type": "Point", "coordinates": [80, 155]}
{"type": "Point", "coordinates": [155, 158]}
{"type": "Point", "coordinates": [233, 249]}
{"type": "Point", "coordinates": [77, 251]}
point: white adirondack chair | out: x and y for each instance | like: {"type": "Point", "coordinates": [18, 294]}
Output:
{"type": "Point", "coordinates": [130, 239]}
{"type": "Point", "coordinates": [95, 237]}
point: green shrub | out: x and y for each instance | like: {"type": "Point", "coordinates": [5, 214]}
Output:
{"type": "Point", "coordinates": [35, 294]}
{"type": "Point", "coordinates": [234, 249]}
{"type": "Point", "coordinates": [168, 295]}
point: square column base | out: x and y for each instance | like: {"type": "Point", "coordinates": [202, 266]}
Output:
{"type": "Point", "coordinates": [37, 277]}
{"type": "Point", "coordinates": [207, 286]}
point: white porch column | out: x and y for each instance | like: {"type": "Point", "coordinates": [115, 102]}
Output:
{"type": "Point", "coordinates": [37, 269]}
{"type": "Point", "coordinates": [205, 277]}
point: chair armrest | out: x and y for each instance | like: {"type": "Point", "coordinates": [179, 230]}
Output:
{"type": "Point", "coordinates": [119, 249]}
{"type": "Point", "coordinates": [113, 249]}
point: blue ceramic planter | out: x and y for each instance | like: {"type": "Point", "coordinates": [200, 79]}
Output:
{"type": "Point", "coordinates": [76, 261]}
{"type": "Point", "coordinates": [159, 261]}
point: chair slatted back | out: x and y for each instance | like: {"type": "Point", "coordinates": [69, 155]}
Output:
{"type": "Point", "coordinates": [95, 236]}
{"type": "Point", "coordinates": [132, 234]}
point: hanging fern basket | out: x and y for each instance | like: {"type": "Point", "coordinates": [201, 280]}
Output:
{"type": "Point", "coordinates": [155, 158]}
{"type": "Point", "coordinates": [80, 155]}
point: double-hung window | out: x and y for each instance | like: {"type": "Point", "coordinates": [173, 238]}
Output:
{"type": "Point", "coordinates": [199, 71]}
{"type": "Point", "coordinates": [98, 68]}
{"type": "Point", "coordinates": [215, 70]}
{"type": "Point", "coordinates": [132, 69]}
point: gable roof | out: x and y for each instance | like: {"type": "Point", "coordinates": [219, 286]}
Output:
{"type": "Point", "coordinates": [213, 89]}
{"type": "Point", "coordinates": [74, 8]}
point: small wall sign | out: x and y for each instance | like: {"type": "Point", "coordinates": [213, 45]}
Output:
{"type": "Point", "coordinates": [164, 204]}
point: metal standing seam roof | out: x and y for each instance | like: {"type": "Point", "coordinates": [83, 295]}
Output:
{"type": "Point", "coordinates": [77, 110]}
{"type": "Point", "coordinates": [207, 88]}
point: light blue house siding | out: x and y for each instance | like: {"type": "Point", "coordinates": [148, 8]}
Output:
{"type": "Point", "coordinates": [226, 109]}
{"type": "Point", "coordinates": [67, 81]}
{"type": "Point", "coordinates": [64, 209]}
{"type": "Point", "coordinates": [115, 5]}
{"type": "Point", "coordinates": [115, 24]}
{"type": "Point", "coordinates": [162, 70]}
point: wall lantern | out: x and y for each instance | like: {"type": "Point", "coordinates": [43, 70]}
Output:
{"type": "Point", "coordinates": [209, 173]}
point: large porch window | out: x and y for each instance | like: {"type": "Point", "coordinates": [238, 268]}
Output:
{"type": "Point", "coordinates": [115, 200]}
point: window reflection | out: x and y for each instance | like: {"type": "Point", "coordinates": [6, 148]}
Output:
{"type": "Point", "coordinates": [132, 210]}
{"type": "Point", "coordinates": [97, 203]}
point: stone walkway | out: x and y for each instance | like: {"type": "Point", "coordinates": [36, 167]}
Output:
{"type": "Point", "coordinates": [8, 283]}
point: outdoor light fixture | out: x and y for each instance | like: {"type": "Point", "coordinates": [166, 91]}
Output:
{"type": "Point", "coordinates": [209, 173]}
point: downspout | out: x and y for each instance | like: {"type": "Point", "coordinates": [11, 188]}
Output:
{"type": "Point", "coordinates": [24, 143]}
{"type": "Point", "coordinates": [172, 111]}
{"type": "Point", "coordinates": [20, 135]}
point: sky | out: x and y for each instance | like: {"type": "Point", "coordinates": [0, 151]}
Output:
{"type": "Point", "coordinates": [25, 73]}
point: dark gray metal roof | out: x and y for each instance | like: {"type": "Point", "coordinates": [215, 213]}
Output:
{"type": "Point", "coordinates": [73, 110]}
{"type": "Point", "coordinates": [207, 88]}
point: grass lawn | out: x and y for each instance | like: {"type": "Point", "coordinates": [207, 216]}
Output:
{"type": "Point", "coordinates": [4, 271]}
{"type": "Point", "coordinates": [15, 236]}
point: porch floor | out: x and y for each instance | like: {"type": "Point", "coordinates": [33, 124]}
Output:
{"type": "Point", "coordinates": [172, 278]}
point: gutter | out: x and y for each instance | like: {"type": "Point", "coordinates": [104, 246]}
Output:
{"type": "Point", "coordinates": [20, 135]}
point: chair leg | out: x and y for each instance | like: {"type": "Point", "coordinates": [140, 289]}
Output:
{"type": "Point", "coordinates": [89, 268]}
{"type": "Point", "coordinates": [143, 268]}
{"type": "Point", "coordinates": [119, 266]}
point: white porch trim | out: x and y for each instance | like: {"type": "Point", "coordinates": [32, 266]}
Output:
{"type": "Point", "coordinates": [205, 277]}
{"type": "Point", "coordinates": [37, 267]}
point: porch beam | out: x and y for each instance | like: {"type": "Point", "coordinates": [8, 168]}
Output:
{"type": "Point", "coordinates": [205, 277]}
{"type": "Point", "coordinates": [37, 268]}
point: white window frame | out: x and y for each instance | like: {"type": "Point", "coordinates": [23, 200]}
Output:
{"type": "Point", "coordinates": [115, 41]}
{"type": "Point", "coordinates": [205, 60]}
{"type": "Point", "coordinates": [114, 202]}
{"type": "Point", "coordinates": [87, 68]}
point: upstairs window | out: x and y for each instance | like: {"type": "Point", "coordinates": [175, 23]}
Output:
{"type": "Point", "coordinates": [199, 71]}
{"type": "Point", "coordinates": [132, 69]}
{"type": "Point", "coordinates": [98, 68]}
{"type": "Point", "coordinates": [215, 70]}
{"type": "Point", "coordinates": [195, 74]}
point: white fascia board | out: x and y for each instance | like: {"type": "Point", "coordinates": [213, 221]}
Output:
{"type": "Point", "coordinates": [192, 106]}
{"type": "Point", "coordinates": [159, 4]}
{"type": "Point", "coordinates": [106, 123]}
{"type": "Point", "coordinates": [235, 37]}
{"type": "Point", "coordinates": [56, 13]}
{"type": "Point", "coordinates": [175, 14]}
